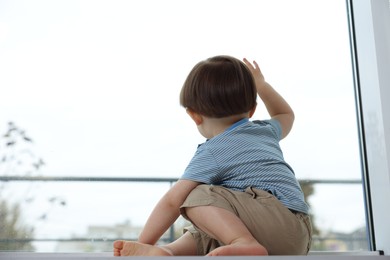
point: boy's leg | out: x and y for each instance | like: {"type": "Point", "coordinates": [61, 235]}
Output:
{"type": "Point", "coordinates": [226, 227]}
{"type": "Point", "coordinates": [274, 226]}
{"type": "Point", "coordinates": [185, 245]}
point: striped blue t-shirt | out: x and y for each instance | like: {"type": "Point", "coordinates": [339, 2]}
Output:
{"type": "Point", "coordinates": [248, 154]}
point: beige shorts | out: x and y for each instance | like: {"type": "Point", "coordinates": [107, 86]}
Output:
{"type": "Point", "coordinates": [280, 230]}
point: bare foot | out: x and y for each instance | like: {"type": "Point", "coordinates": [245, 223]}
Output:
{"type": "Point", "coordinates": [239, 249]}
{"type": "Point", "coordinates": [130, 248]}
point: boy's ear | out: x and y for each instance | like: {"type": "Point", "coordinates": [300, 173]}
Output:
{"type": "Point", "coordinates": [195, 116]}
{"type": "Point", "coordinates": [252, 111]}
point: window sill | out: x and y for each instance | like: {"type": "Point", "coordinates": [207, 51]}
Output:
{"type": "Point", "coordinates": [108, 255]}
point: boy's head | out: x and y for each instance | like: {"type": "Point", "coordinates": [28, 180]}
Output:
{"type": "Point", "coordinates": [218, 87]}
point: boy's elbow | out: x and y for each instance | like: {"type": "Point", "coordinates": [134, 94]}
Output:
{"type": "Point", "coordinates": [292, 117]}
{"type": "Point", "coordinates": [286, 121]}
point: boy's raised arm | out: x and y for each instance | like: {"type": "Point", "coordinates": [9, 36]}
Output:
{"type": "Point", "coordinates": [276, 105]}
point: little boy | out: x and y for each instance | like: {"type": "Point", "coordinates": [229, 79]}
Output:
{"type": "Point", "coordinates": [238, 192]}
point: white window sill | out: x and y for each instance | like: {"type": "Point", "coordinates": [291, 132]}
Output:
{"type": "Point", "coordinates": [107, 255]}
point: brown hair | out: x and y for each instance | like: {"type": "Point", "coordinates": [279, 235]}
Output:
{"type": "Point", "coordinates": [218, 87]}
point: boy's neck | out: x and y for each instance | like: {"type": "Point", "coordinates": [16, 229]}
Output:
{"type": "Point", "coordinates": [211, 127]}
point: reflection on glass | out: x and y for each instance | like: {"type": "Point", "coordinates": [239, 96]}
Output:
{"type": "Point", "coordinates": [91, 89]}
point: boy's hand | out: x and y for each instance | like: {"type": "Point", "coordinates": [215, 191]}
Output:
{"type": "Point", "coordinates": [256, 72]}
{"type": "Point", "coordinates": [277, 107]}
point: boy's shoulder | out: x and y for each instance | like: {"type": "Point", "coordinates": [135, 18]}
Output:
{"type": "Point", "coordinates": [272, 124]}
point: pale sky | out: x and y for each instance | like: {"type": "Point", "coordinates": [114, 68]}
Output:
{"type": "Point", "coordinates": [96, 84]}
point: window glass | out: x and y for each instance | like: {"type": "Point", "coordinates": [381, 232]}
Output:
{"type": "Point", "coordinates": [90, 89]}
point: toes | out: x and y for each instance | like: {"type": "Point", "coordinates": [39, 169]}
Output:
{"type": "Point", "coordinates": [118, 244]}
{"type": "Point", "coordinates": [117, 252]}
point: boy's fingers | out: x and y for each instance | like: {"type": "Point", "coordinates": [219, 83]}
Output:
{"type": "Point", "coordinates": [251, 66]}
{"type": "Point", "coordinates": [248, 63]}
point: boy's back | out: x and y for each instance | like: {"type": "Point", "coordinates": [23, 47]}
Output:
{"type": "Point", "coordinates": [248, 155]}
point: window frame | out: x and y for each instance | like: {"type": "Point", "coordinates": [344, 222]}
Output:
{"type": "Point", "coordinates": [369, 24]}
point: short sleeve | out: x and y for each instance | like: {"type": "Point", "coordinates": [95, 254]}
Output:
{"type": "Point", "coordinates": [202, 167]}
{"type": "Point", "coordinates": [275, 124]}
